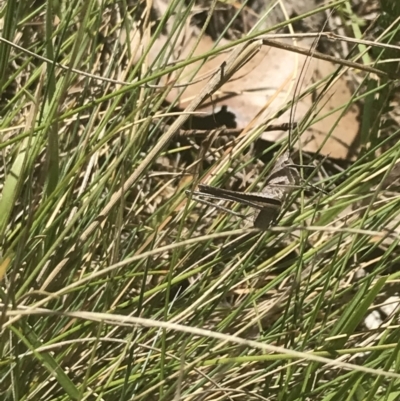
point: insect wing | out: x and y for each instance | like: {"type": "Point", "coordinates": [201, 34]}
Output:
{"type": "Point", "coordinates": [258, 200]}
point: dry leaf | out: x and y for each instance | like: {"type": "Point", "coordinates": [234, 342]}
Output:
{"type": "Point", "coordinates": [259, 89]}
{"type": "Point", "coordinates": [344, 134]}
{"type": "Point", "coordinates": [266, 84]}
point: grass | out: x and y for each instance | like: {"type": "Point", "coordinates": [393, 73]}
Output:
{"type": "Point", "coordinates": [116, 286]}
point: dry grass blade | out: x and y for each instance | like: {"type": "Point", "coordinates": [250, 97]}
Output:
{"type": "Point", "coordinates": [116, 319]}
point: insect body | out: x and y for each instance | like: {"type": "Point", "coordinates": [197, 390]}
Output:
{"type": "Point", "coordinates": [283, 178]}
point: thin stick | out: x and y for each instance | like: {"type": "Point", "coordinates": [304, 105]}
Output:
{"type": "Point", "coordinates": [321, 56]}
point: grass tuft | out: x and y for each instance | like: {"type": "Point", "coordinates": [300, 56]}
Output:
{"type": "Point", "coordinates": [116, 285]}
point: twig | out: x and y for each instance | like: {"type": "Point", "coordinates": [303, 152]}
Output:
{"type": "Point", "coordinates": [326, 57]}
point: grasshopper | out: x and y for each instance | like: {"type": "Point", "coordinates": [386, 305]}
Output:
{"type": "Point", "coordinates": [280, 183]}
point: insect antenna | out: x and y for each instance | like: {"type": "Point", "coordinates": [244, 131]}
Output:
{"type": "Point", "coordinates": [296, 97]}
